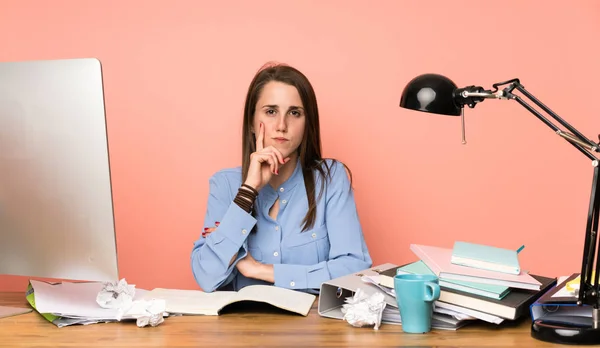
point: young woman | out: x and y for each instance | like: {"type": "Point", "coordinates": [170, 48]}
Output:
{"type": "Point", "coordinates": [287, 216]}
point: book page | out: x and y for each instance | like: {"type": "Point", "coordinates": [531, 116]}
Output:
{"type": "Point", "coordinates": [286, 299]}
{"type": "Point", "coordinates": [193, 301]}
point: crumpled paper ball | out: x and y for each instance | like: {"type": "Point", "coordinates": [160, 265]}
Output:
{"type": "Point", "coordinates": [362, 309]}
{"type": "Point", "coordinates": [152, 320]}
{"type": "Point", "coordinates": [117, 295]}
{"type": "Point", "coordinates": [148, 312]}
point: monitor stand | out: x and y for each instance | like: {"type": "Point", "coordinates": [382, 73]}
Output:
{"type": "Point", "coordinates": [12, 311]}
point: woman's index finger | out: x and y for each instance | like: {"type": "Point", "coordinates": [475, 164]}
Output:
{"type": "Point", "coordinates": [260, 137]}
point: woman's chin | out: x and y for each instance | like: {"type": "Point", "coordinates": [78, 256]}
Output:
{"type": "Point", "coordinates": [284, 150]}
{"type": "Point", "coordinates": [287, 153]}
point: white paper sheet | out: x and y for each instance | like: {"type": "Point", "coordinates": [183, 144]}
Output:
{"type": "Point", "coordinates": [75, 300]}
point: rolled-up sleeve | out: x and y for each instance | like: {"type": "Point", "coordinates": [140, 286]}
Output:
{"type": "Point", "coordinates": [211, 256]}
{"type": "Point", "coordinates": [348, 251]}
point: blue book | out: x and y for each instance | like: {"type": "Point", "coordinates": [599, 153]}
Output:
{"type": "Point", "coordinates": [496, 292]}
{"type": "Point", "coordinates": [486, 257]}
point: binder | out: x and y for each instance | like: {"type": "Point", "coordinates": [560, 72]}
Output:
{"type": "Point", "coordinates": [333, 293]}
{"type": "Point", "coordinates": [551, 307]}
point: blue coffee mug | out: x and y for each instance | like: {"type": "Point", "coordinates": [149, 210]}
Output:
{"type": "Point", "coordinates": [415, 294]}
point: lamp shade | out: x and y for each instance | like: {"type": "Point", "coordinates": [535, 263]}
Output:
{"type": "Point", "coordinates": [431, 93]}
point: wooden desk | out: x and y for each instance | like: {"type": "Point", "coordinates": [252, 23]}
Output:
{"type": "Point", "coordinates": [248, 325]}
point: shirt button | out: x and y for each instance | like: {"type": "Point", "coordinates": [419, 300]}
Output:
{"type": "Point", "coordinates": [281, 189]}
{"type": "Point", "coordinates": [276, 228]}
{"type": "Point", "coordinates": [292, 284]}
{"type": "Point", "coordinates": [244, 231]}
{"type": "Point", "coordinates": [275, 254]}
{"type": "Point", "coordinates": [314, 235]}
{"type": "Point", "coordinates": [284, 201]}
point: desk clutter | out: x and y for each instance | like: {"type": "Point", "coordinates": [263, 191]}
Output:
{"type": "Point", "coordinates": [467, 293]}
{"type": "Point", "coordinates": [473, 286]}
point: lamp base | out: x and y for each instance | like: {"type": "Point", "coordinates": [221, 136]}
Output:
{"type": "Point", "coordinates": [563, 333]}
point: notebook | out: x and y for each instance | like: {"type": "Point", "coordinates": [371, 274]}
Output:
{"type": "Point", "coordinates": [487, 290]}
{"type": "Point", "coordinates": [486, 257]}
{"type": "Point", "coordinates": [439, 261]}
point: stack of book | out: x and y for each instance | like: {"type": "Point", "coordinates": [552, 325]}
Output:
{"type": "Point", "coordinates": [479, 281]}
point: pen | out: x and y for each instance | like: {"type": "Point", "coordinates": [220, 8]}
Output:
{"type": "Point", "coordinates": [521, 248]}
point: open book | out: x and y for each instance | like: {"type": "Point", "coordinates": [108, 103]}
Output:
{"type": "Point", "coordinates": [195, 302]}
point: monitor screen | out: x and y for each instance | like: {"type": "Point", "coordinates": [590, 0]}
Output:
{"type": "Point", "coordinates": [56, 209]}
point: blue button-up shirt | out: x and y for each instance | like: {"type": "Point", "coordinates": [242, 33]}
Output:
{"type": "Point", "coordinates": [334, 247]}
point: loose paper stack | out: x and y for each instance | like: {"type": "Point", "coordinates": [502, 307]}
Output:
{"type": "Point", "coordinates": [67, 303]}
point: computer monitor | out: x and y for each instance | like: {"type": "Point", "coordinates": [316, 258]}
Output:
{"type": "Point", "coordinates": [56, 208]}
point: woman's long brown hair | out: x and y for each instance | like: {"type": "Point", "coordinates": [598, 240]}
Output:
{"type": "Point", "coordinates": [310, 148]}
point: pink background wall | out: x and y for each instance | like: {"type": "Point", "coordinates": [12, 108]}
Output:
{"type": "Point", "coordinates": [176, 73]}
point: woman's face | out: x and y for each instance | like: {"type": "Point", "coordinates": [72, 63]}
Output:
{"type": "Point", "coordinates": [281, 112]}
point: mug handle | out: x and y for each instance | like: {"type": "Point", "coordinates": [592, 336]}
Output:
{"type": "Point", "coordinates": [435, 291]}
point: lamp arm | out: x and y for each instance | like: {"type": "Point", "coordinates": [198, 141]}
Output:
{"type": "Point", "coordinates": [580, 144]}
{"type": "Point", "coordinates": [593, 146]}
{"type": "Point", "coordinates": [472, 95]}
{"type": "Point", "coordinates": [575, 135]}
{"type": "Point", "coordinates": [589, 288]}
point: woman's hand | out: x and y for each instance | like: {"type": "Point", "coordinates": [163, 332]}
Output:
{"type": "Point", "coordinates": [250, 268]}
{"type": "Point", "coordinates": [209, 230]}
{"type": "Point", "coordinates": [263, 163]}
{"type": "Point", "coordinates": [247, 266]}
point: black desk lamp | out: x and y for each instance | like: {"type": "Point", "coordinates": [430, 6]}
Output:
{"type": "Point", "coordinates": [439, 95]}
